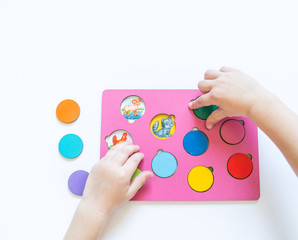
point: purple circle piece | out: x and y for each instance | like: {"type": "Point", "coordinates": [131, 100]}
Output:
{"type": "Point", "coordinates": [77, 182]}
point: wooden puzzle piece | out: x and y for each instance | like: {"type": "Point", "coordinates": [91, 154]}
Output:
{"type": "Point", "coordinates": [195, 142]}
{"type": "Point", "coordinates": [240, 165]}
{"type": "Point", "coordinates": [204, 112]}
{"type": "Point", "coordinates": [70, 146]}
{"type": "Point", "coordinates": [67, 111]}
{"type": "Point", "coordinates": [201, 178]}
{"type": "Point", "coordinates": [164, 164]}
{"type": "Point", "coordinates": [77, 181]}
{"type": "Point", "coordinates": [136, 173]}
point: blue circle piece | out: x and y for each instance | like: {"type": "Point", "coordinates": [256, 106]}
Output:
{"type": "Point", "coordinates": [164, 164]}
{"type": "Point", "coordinates": [70, 146]}
{"type": "Point", "coordinates": [195, 142]}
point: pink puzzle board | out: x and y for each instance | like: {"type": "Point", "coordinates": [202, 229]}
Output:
{"type": "Point", "coordinates": [220, 164]}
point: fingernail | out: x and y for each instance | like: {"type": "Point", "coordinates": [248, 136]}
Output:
{"type": "Point", "coordinates": [209, 125]}
{"type": "Point", "coordinates": [190, 104]}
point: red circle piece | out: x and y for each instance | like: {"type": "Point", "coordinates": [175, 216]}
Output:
{"type": "Point", "coordinates": [240, 166]}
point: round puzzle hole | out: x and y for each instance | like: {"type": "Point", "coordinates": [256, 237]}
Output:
{"type": "Point", "coordinates": [163, 126]}
{"type": "Point", "coordinates": [118, 136]}
{"type": "Point", "coordinates": [132, 108]}
{"type": "Point", "coordinates": [232, 131]}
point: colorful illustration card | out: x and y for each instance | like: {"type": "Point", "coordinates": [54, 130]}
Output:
{"type": "Point", "coordinates": [189, 162]}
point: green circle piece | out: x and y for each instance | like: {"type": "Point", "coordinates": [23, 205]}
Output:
{"type": "Point", "coordinates": [204, 112]}
{"type": "Point", "coordinates": [136, 173]}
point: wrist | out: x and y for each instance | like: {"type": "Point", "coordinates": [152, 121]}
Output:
{"type": "Point", "coordinates": [264, 100]}
{"type": "Point", "coordinates": [87, 223]}
{"type": "Point", "coordinates": [92, 212]}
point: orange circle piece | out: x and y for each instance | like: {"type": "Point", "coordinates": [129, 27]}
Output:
{"type": "Point", "coordinates": [68, 111]}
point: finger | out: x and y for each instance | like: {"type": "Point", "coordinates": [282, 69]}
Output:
{"type": "Point", "coordinates": [132, 163]}
{"type": "Point", "coordinates": [212, 74]}
{"type": "Point", "coordinates": [114, 149]}
{"type": "Point", "coordinates": [138, 182]}
{"type": "Point", "coordinates": [205, 86]}
{"type": "Point", "coordinates": [123, 152]}
{"type": "Point", "coordinates": [215, 117]}
{"type": "Point", "coordinates": [226, 69]}
{"type": "Point", "coordinates": [203, 100]}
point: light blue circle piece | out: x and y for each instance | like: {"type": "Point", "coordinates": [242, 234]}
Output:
{"type": "Point", "coordinates": [164, 164]}
{"type": "Point", "coordinates": [70, 146]}
{"type": "Point", "coordinates": [195, 142]}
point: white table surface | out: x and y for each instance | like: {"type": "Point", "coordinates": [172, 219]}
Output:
{"type": "Point", "coordinates": [53, 50]}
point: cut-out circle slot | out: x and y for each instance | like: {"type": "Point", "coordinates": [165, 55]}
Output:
{"type": "Point", "coordinates": [132, 108]}
{"type": "Point", "coordinates": [164, 164]}
{"type": "Point", "coordinates": [240, 165]}
{"type": "Point", "coordinates": [232, 131]}
{"type": "Point", "coordinates": [163, 126]}
{"type": "Point", "coordinates": [118, 136]}
{"type": "Point", "coordinates": [195, 142]}
{"type": "Point", "coordinates": [201, 178]}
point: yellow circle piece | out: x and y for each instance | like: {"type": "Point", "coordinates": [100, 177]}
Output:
{"type": "Point", "coordinates": [158, 118]}
{"type": "Point", "coordinates": [68, 111]}
{"type": "Point", "coordinates": [200, 178]}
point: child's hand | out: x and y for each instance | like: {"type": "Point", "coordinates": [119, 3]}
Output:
{"type": "Point", "coordinates": [108, 184]}
{"type": "Point", "coordinates": [107, 187]}
{"type": "Point", "coordinates": [234, 92]}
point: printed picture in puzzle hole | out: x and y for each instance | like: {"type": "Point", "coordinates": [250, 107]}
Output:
{"type": "Point", "coordinates": [132, 108]}
{"type": "Point", "coordinates": [117, 137]}
{"type": "Point", "coordinates": [163, 126]}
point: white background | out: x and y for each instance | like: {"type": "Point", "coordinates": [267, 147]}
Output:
{"type": "Point", "coordinates": [53, 50]}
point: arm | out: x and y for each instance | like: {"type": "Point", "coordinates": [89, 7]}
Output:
{"type": "Point", "coordinates": [108, 186]}
{"type": "Point", "coordinates": [237, 94]}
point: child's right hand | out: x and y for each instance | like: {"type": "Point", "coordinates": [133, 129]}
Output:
{"type": "Point", "coordinates": [234, 92]}
{"type": "Point", "coordinates": [109, 183]}
{"type": "Point", "coordinates": [108, 186]}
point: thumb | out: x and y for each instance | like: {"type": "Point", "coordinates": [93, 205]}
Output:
{"type": "Point", "coordinates": [138, 182]}
{"type": "Point", "coordinates": [215, 117]}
